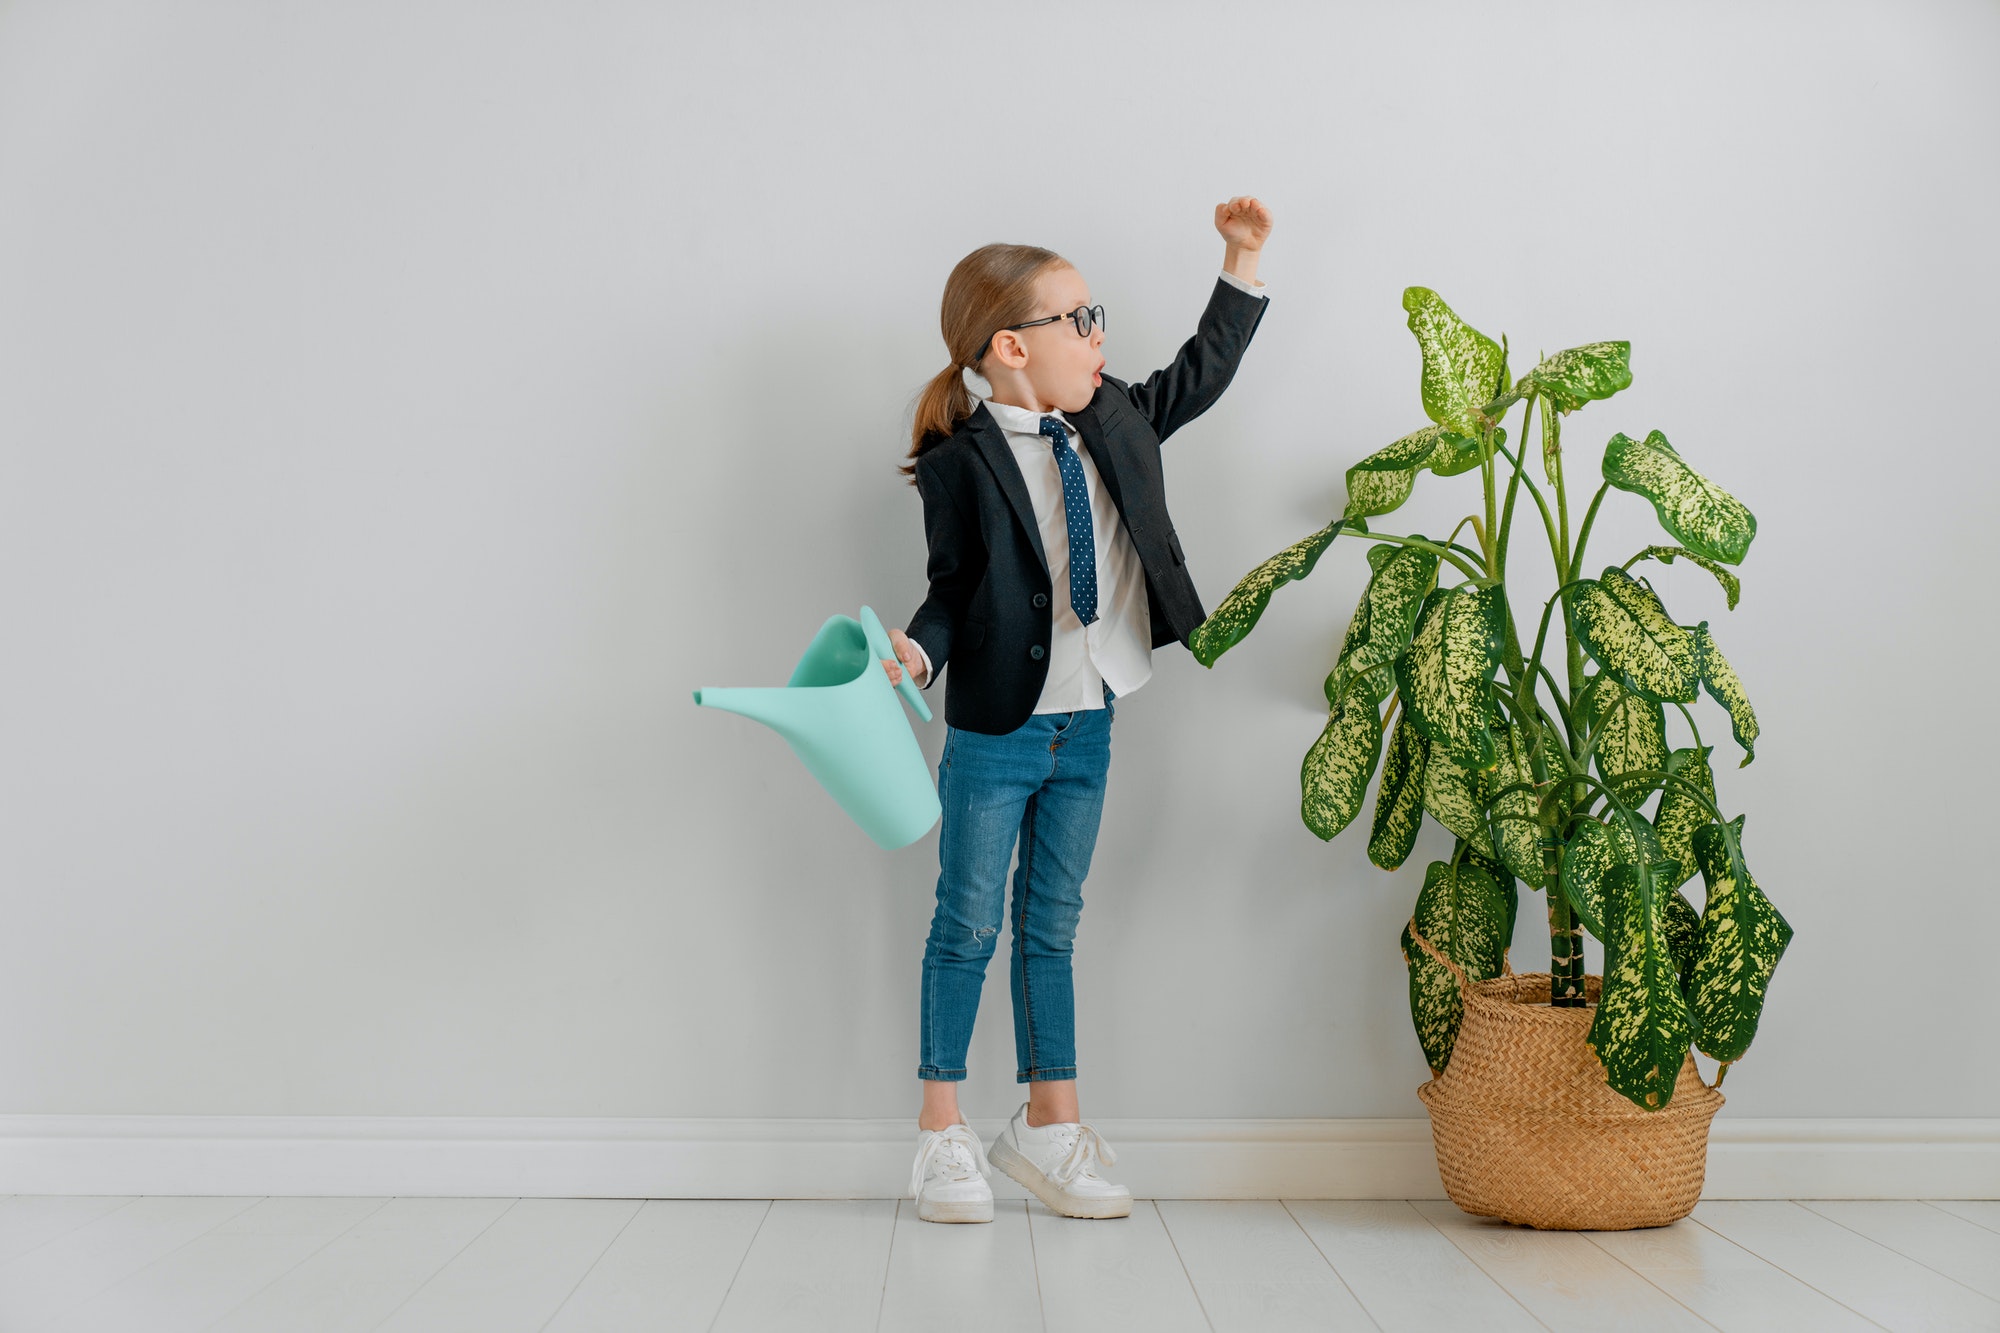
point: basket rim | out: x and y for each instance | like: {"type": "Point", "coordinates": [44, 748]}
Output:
{"type": "Point", "coordinates": [1706, 1100]}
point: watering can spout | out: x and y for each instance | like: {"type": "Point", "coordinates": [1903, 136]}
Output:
{"type": "Point", "coordinates": [841, 717]}
{"type": "Point", "coordinates": [771, 707]}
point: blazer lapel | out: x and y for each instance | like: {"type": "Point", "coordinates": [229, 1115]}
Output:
{"type": "Point", "coordinates": [999, 455]}
{"type": "Point", "coordinates": [1103, 452]}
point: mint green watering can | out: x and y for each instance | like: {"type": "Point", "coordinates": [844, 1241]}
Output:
{"type": "Point", "coordinates": [839, 714]}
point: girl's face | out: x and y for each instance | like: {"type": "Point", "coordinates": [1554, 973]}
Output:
{"type": "Point", "coordinates": [1059, 367]}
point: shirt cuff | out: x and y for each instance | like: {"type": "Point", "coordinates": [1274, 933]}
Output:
{"type": "Point", "coordinates": [1258, 290]}
{"type": "Point", "coordinates": [928, 678]}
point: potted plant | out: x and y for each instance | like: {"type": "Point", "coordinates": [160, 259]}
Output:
{"type": "Point", "coordinates": [1542, 744]}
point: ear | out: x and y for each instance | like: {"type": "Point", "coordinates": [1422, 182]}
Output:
{"type": "Point", "coordinates": [1008, 349]}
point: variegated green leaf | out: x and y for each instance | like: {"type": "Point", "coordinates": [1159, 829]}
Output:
{"type": "Point", "coordinates": [1593, 849]}
{"type": "Point", "coordinates": [1238, 613]}
{"type": "Point", "coordinates": [1463, 368]}
{"type": "Point", "coordinates": [1551, 448]}
{"type": "Point", "coordinates": [1418, 449]}
{"type": "Point", "coordinates": [1378, 683]}
{"type": "Point", "coordinates": [1681, 812]}
{"type": "Point", "coordinates": [1681, 925]}
{"type": "Point", "coordinates": [1642, 1031]}
{"type": "Point", "coordinates": [1586, 859]}
{"type": "Point", "coordinates": [1631, 734]}
{"type": "Point", "coordinates": [1636, 841]}
{"type": "Point", "coordinates": [1701, 515]}
{"type": "Point", "coordinates": [1381, 482]}
{"type": "Point", "coordinates": [1732, 587]}
{"type": "Point", "coordinates": [1371, 493]}
{"type": "Point", "coordinates": [1578, 375]}
{"type": "Point", "coordinates": [1386, 617]}
{"type": "Point", "coordinates": [1446, 677]}
{"type": "Point", "coordinates": [1333, 777]}
{"type": "Point", "coordinates": [1569, 379]}
{"type": "Point", "coordinates": [1462, 456]}
{"type": "Point", "coordinates": [1719, 679]}
{"type": "Point", "coordinates": [1510, 890]}
{"type": "Point", "coordinates": [1461, 913]}
{"type": "Point", "coordinates": [1628, 633]}
{"type": "Point", "coordinates": [1399, 802]}
{"type": "Point", "coordinates": [1742, 938]}
{"type": "Point", "coordinates": [1455, 796]}
{"type": "Point", "coordinates": [1515, 808]}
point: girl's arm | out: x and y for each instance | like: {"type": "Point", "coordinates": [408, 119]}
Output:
{"type": "Point", "coordinates": [1245, 224]}
{"type": "Point", "coordinates": [1171, 397]}
{"type": "Point", "coordinates": [955, 566]}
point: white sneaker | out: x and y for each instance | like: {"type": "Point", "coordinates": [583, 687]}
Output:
{"type": "Point", "coordinates": [949, 1178]}
{"type": "Point", "coordinates": [1057, 1163]}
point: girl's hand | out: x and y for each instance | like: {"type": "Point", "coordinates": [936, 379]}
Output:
{"type": "Point", "coordinates": [1244, 222]}
{"type": "Point", "coordinates": [912, 659]}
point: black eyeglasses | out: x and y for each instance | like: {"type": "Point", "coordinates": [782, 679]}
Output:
{"type": "Point", "coordinates": [1084, 316]}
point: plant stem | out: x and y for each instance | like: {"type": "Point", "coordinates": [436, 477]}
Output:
{"type": "Point", "coordinates": [1583, 534]}
{"type": "Point", "coordinates": [1565, 953]}
{"type": "Point", "coordinates": [1439, 551]}
{"type": "Point", "coordinates": [1691, 726]}
{"type": "Point", "coordinates": [1534, 492]}
{"type": "Point", "coordinates": [1486, 478]}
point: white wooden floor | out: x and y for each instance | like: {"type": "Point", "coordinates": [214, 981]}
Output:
{"type": "Point", "coordinates": [159, 1265]}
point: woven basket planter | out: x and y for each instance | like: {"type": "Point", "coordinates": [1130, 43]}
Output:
{"type": "Point", "coordinates": [1527, 1130]}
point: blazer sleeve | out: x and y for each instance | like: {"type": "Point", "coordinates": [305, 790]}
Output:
{"type": "Point", "coordinates": [1202, 369]}
{"type": "Point", "coordinates": [955, 564]}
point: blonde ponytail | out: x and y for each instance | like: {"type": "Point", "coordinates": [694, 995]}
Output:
{"type": "Point", "coordinates": [989, 289]}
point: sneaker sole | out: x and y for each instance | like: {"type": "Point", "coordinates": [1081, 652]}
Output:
{"type": "Point", "coordinates": [1023, 1172]}
{"type": "Point", "coordinates": [955, 1210]}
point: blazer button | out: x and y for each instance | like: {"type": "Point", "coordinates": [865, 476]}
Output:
{"type": "Point", "coordinates": [1041, 599]}
{"type": "Point", "coordinates": [1036, 652]}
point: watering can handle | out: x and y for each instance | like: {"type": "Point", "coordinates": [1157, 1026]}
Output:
{"type": "Point", "coordinates": [880, 647]}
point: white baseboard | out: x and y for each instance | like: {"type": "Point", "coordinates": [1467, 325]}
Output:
{"type": "Point", "coordinates": [821, 1159]}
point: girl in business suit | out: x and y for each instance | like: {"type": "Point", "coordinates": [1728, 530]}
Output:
{"type": "Point", "coordinates": [1021, 317]}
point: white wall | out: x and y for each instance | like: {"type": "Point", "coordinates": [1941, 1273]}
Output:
{"type": "Point", "coordinates": [405, 406]}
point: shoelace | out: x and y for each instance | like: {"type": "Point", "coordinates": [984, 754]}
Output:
{"type": "Point", "coordinates": [1086, 1148]}
{"type": "Point", "coordinates": [957, 1150]}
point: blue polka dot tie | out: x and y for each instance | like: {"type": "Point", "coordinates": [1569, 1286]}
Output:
{"type": "Point", "coordinates": [1076, 509]}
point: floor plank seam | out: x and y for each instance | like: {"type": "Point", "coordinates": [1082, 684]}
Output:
{"type": "Point", "coordinates": [888, 1264]}
{"type": "Point", "coordinates": [300, 1264]}
{"type": "Point", "coordinates": [575, 1286]}
{"type": "Point", "coordinates": [1359, 1304]}
{"type": "Point", "coordinates": [72, 1231]}
{"type": "Point", "coordinates": [1932, 1203]}
{"type": "Point", "coordinates": [1885, 1245]}
{"type": "Point", "coordinates": [741, 1259]}
{"type": "Point", "coordinates": [1794, 1276]}
{"type": "Point", "coordinates": [160, 1260]}
{"type": "Point", "coordinates": [1505, 1290]}
{"type": "Point", "coordinates": [1643, 1277]}
{"type": "Point", "coordinates": [1181, 1259]}
{"type": "Point", "coordinates": [1035, 1265]}
{"type": "Point", "coordinates": [453, 1258]}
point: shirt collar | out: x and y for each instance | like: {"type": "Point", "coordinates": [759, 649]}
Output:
{"type": "Point", "coordinates": [1022, 420]}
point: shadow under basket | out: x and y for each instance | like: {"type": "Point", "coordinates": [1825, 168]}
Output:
{"type": "Point", "coordinates": [1527, 1130]}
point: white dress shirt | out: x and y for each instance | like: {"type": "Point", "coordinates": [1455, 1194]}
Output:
{"type": "Point", "coordinates": [1116, 648]}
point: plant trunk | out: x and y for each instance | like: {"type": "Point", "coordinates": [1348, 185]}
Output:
{"type": "Point", "coordinates": [1565, 953]}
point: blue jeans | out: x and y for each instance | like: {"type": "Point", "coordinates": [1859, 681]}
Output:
{"type": "Point", "coordinates": [1043, 781]}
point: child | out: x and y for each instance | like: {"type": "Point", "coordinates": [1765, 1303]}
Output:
{"type": "Point", "coordinates": [1054, 572]}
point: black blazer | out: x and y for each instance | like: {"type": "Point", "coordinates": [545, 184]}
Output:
{"type": "Point", "coordinates": [989, 610]}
